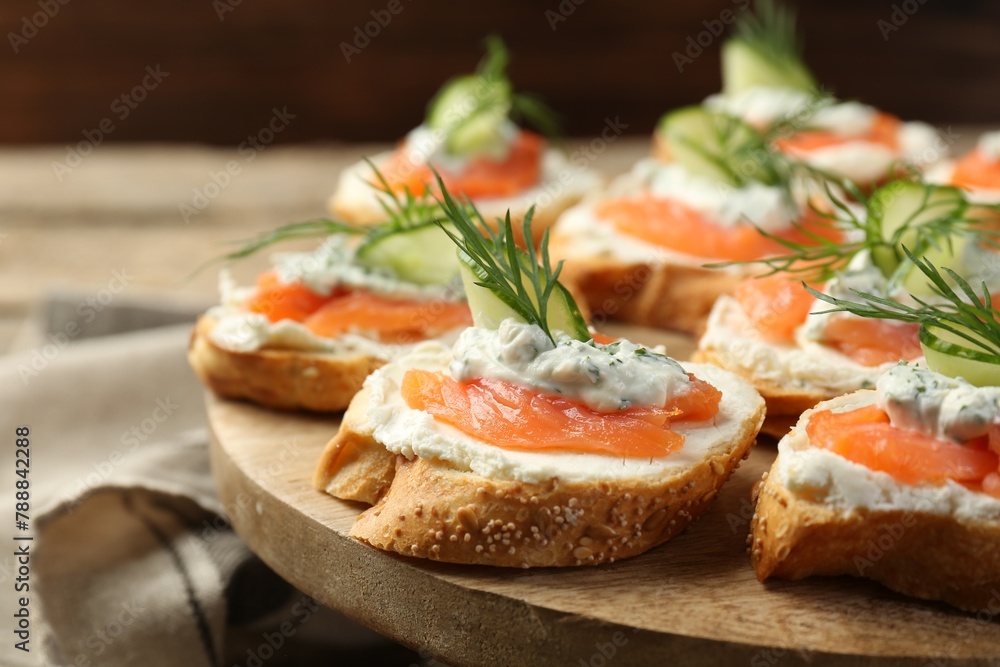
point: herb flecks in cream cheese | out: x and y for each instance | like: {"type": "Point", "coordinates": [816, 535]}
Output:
{"type": "Point", "coordinates": [921, 400]}
{"type": "Point", "coordinates": [335, 264]}
{"type": "Point", "coordinates": [604, 377]}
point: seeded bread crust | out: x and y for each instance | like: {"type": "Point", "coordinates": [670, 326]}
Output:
{"type": "Point", "coordinates": [432, 510]}
{"type": "Point", "coordinates": [925, 555]}
{"type": "Point", "coordinates": [365, 210]}
{"type": "Point", "coordinates": [280, 379]}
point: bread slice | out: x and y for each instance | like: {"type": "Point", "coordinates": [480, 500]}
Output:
{"type": "Point", "coordinates": [433, 508]}
{"type": "Point", "coordinates": [819, 514]}
{"type": "Point", "coordinates": [790, 379]}
{"type": "Point", "coordinates": [563, 184]}
{"type": "Point", "coordinates": [280, 379]}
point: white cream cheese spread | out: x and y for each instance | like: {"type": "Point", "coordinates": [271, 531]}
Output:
{"type": "Point", "coordinates": [604, 377]}
{"type": "Point", "coordinates": [819, 475]}
{"type": "Point", "coordinates": [409, 432]}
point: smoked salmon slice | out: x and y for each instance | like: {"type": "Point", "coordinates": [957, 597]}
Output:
{"type": "Point", "coordinates": [776, 305]}
{"type": "Point", "coordinates": [884, 131]}
{"type": "Point", "coordinates": [866, 437]}
{"type": "Point", "coordinates": [519, 170]}
{"type": "Point", "coordinates": [283, 301]}
{"type": "Point", "coordinates": [514, 417]}
{"type": "Point", "coordinates": [975, 170]}
{"type": "Point", "coordinates": [873, 342]}
{"type": "Point", "coordinates": [671, 224]}
{"type": "Point", "coordinates": [394, 320]}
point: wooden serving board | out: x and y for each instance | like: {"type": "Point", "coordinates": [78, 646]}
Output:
{"type": "Point", "coordinates": [692, 601]}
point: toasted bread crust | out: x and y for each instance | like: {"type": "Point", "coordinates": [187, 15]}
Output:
{"type": "Point", "coordinates": [280, 379]}
{"type": "Point", "coordinates": [431, 510]}
{"type": "Point", "coordinates": [663, 294]}
{"type": "Point", "coordinates": [933, 556]}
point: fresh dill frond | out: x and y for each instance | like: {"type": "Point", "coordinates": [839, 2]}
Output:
{"type": "Point", "coordinates": [523, 279]}
{"type": "Point", "coordinates": [965, 313]}
{"type": "Point", "coordinates": [933, 224]}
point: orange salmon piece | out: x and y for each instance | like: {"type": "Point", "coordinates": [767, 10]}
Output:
{"type": "Point", "coordinates": [884, 131]}
{"type": "Point", "coordinates": [777, 305]}
{"type": "Point", "coordinates": [866, 437]}
{"type": "Point", "coordinates": [872, 342]}
{"type": "Point", "coordinates": [519, 170]}
{"type": "Point", "coordinates": [516, 418]}
{"type": "Point", "coordinates": [975, 170]}
{"type": "Point", "coordinates": [283, 301]}
{"type": "Point", "coordinates": [394, 320]}
{"type": "Point", "coordinates": [671, 224]}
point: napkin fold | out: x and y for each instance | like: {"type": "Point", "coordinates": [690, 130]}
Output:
{"type": "Point", "coordinates": [130, 560]}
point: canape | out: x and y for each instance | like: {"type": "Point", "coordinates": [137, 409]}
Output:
{"type": "Point", "coordinates": [315, 325]}
{"type": "Point", "coordinates": [900, 483]}
{"type": "Point", "coordinates": [977, 172]}
{"type": "Point", "coordinates": [530, 443]}
{"type": "Point", "coordinates": [469, 139]}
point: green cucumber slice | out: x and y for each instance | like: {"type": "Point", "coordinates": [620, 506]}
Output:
{"type": "Point", "coordinates": [471, 110]}
{"type": "Point", "coordinates": [744, 67]}
{"type": "Point", "coordinates": [712, 144]}
{"type": "Point", "coordinates": [422, 254]}
{"type": "Point", "coordinates": [952, 355]}
{"type": "Point", "coordinates": [899, 208]}
{"type": "Point", "coordinates": [489, 308]}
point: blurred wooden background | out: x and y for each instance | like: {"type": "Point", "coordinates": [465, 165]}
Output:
{"type": "Point", "coordinates": [231, 61]}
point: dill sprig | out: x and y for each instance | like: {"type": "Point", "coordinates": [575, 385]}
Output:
{"type": "Point", "coordinates": [524, 279]}
{"type": "Point", "coordinates": [402, 212]}
{"type": "Point", "coordinates": [934, 223]}
{"type": "Point", "coordinates": [770, 31]}
{"type": "Point", "coordinates": [965, 313]}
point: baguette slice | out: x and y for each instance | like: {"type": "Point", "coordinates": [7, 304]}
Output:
{"type": "Point", "coordinates": [280, 379]}
{"type": "Point", "coordinates": [431, 508]}
{"type": "Point", "coordinates": [930, 542]}
{"type": "Point", "coordinates": [563, 184]}
{"type": "Point", "coordinates": [778, 372]}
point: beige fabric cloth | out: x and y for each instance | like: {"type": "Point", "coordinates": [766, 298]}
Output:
{"type": "Point", "coordinates": [131, 563]}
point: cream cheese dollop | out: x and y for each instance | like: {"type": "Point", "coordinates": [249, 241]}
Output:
{"type": "Point", "coordinates": [918, 399]}
{"type": "Point", "coordinates": [989, 145]}
{"type": "Point", "coordinates": [604, 377]}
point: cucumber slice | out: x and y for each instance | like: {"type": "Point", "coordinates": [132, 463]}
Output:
{"type": "Point", "coordinates": [744, 67]}
{"type": "Point", "coordinates": [471, 110]}
{"type": "Point", "coordinates": [952, 355]}
{"type": "Point", "coordinates": [489, 308]}
{"type": "Point", "coordinates": [907, 204]}
{"type": "Point", "coordinates": [711, 144]}
{"type": "Point", "coordinates": [422, 254]}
